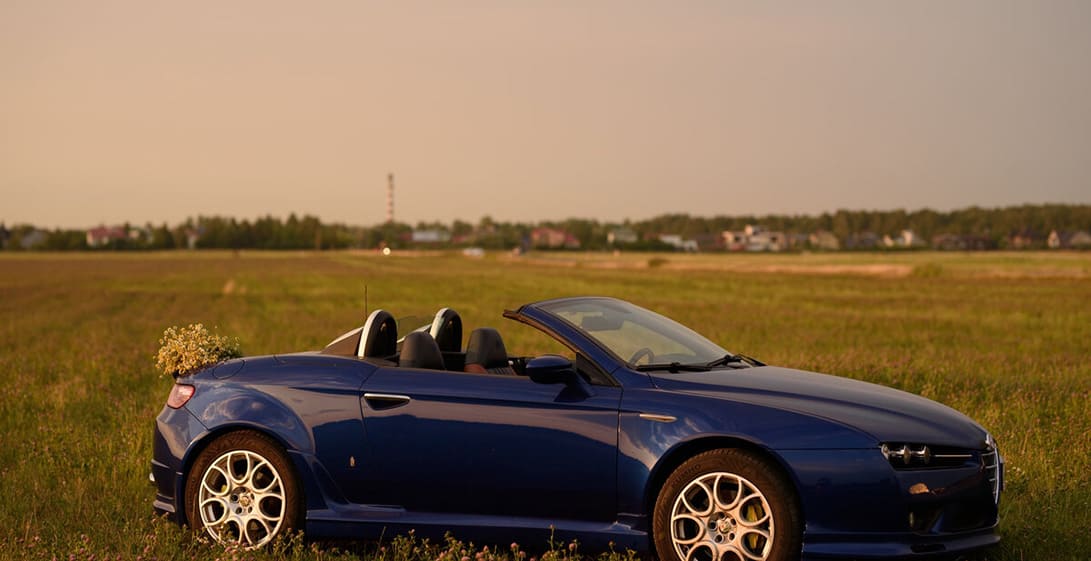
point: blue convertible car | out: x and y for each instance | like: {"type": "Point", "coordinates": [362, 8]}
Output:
{"type": "Point", "coordinates": [646, 435]}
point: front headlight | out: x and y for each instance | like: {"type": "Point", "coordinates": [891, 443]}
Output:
{"type": "Point", "coordinates": [907, 455]}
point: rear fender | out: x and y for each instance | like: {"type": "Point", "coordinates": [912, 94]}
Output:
{"type": "Point", "coordinates": [221, 406]}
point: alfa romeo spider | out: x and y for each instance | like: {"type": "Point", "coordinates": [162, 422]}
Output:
{"type": "Point", "coordinates": [643, 435]}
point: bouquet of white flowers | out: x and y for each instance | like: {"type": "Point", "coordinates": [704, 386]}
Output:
{"type": "Point", "coordinates": [186, 350]}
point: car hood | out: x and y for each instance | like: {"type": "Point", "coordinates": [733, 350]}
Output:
{"type": "Point", "coordinates": [886, 414]}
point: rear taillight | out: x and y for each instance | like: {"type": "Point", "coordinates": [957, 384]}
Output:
{"type": "Point", "coordinates": [179, 395]}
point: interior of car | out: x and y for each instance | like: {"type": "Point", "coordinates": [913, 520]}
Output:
{"type": "Point", "coordinates": [436, 346]}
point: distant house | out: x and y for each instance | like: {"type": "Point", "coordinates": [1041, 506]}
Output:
{"type": "Point", "coordinates": [824, 240]}
{"type": "Point", "coordinates": [955, 242]}
{"type": "Point", "coordinates": [904, 240]}
{"type": "Point", "coordinates": [754, 238]}
{"type": "Point", "coordinates": [620, 236]}
{"type": "Point", "coordinates": [1025, 239]}
{"type": "Point", "coordinates": [863, 240]}
{"type": "Point", "coordinates": [709, 242]}
{"type": "Point", "coordinates": [678, 243]}
{"type": "Point", "coordinates": [140, 234]}
{"type": "Point", "coordinates": [430, 236]}
{"type": "Point", "coordinates": [734, 241]}
{"type": "Point", "coordinates": [461, 239]}
{"type": "Point", "coordinates": [1068, 240]}
{"type": "Point", "coordinates": [765, 240]}
{"type": "Point", "coordinates": [193, 235]}
{"type": "Point", "coordinates": [33, 239]}
{"type": "Point", "coordinates": [104, 236]}
{"type": "Point", "coordinates": [1079, 240]}
{"type": "Point", "coordinates": [553, 238]}
{"type": "Point", "coordinates": [798, 240]}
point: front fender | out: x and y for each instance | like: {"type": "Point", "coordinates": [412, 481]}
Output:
{"type": "Point", "coordinates": [650, 448]}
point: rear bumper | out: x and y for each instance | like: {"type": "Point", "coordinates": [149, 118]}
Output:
{"type": "Point", "coordinates": [164, 504]}
{"type": "Point", "coordinates": [175, 429]}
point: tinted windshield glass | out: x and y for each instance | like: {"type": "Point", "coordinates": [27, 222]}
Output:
{"type": "Point", "coordinates": [636, 335]}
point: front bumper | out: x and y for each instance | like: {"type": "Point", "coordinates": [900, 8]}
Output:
{"type": "Point", "coordinates": [899, 546]}
{"type": "Point", "coordinates": [858, 506]}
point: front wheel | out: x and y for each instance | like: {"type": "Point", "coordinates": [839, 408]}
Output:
{"type": "Point", "coordinates": [242, 490]}
{"type": "Point", "coordinates": [727, 505]}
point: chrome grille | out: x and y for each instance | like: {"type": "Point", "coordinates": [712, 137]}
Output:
{"type": "Point", "coordinates": [990, 462]}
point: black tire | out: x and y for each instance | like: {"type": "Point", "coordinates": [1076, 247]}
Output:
{"type": "Point", "coordinates": [774, 510]}
{"type": "Point", "coordinates": [273, 494]}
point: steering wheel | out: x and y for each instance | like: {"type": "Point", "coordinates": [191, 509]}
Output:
{"type": "Point", "coordinates": [641, 353]}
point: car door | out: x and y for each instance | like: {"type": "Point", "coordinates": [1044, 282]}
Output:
{"type": "Point", "coordinates": [489, 444]}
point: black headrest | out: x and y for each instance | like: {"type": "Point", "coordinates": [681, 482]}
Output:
{"type": "Point", "coordinates": [379, 337]}
{"type": "Point", "coordinates": [486, 348]}
{"type": "Point", "coordinates": [419, 350]}
{"type": "Point", "coordinates": [447, 330]}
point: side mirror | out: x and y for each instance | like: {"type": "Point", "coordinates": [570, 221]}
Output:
{"type": "Point", "coordinates": [551, 369]}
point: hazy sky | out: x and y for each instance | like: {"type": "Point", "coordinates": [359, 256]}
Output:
{"type": "Point", "coordinates": [140, 110]}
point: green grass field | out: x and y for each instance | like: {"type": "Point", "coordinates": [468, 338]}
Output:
{"type": "Point", "coordinates": [1003, 337]}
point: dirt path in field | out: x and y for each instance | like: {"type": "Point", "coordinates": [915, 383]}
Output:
{"type": "Point", "coordinates": [871, 270]}
{"type": "Point", "coordinates": [889, 270]}
{"type": "Point", "coordinates": [877, 270]}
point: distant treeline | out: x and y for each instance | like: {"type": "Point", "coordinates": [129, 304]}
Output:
{"type": "Point", "coordinates": [1031, 224]}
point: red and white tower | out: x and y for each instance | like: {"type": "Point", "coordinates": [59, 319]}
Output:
{"type": "Point", "coordinates": [390, 198]}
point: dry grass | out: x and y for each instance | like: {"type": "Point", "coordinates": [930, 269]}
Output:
{"type": "Point", "coordinates": [1002, 337]}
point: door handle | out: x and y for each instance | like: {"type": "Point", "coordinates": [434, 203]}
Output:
{"type": "Point", "coordinates": [381, 401]}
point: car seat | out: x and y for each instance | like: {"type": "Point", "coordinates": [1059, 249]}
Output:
{"type": "Point", "coordinates": [485, 353]}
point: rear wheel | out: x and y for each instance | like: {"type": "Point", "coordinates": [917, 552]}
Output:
{"type": "Point", "coordinates": [727, 505]}
{"type": "Point", "coordinates": [242, 490]}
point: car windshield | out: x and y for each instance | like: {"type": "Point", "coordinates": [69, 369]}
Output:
{"type": "Point", "coordinates": [640, 337]}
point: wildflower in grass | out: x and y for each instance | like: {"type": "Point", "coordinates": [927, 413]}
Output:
{"type": "Point", "coordinates": [191, 348]}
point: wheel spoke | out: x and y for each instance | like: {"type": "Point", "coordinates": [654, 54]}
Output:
{"type": "Point", "coordinates": [212, 500]}
{"type": "Point", "coordinates": [253, 471]}
{"type": "Point", "coordinates": [259, 507]}
{"type": "Point", "coordinates": [716, 493]}
{"type": "Point", "coordinates": [687, 499]}
{"type": "Point", "coordinates": [206, 481]}
{"type": "Point", "coordinates": [726, 548]}
{"type": "Point", "coordinates": [704, 546]}
{"type": "Point", "coordinates": [750, 540]}
{"type": "Point", "coordinates": [677, 533]}
{"type": "Point", "coordinates": [265, 525]}
{"type": "Point", "coordinates": [231, 468]}
{"type": "Point", "coordinates": [274, 481]}
{"type": "Point", "coordinates": [245, 535]}
{"type": "Point", "coordinates": [753, 512]}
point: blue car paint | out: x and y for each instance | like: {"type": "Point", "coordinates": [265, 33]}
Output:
{"type": "Point", "coordinates": [496, 458]}
{"type": "Point", "coordinates": [485, 444]}
{"type": "Point", "coordinates": [895, 415]}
